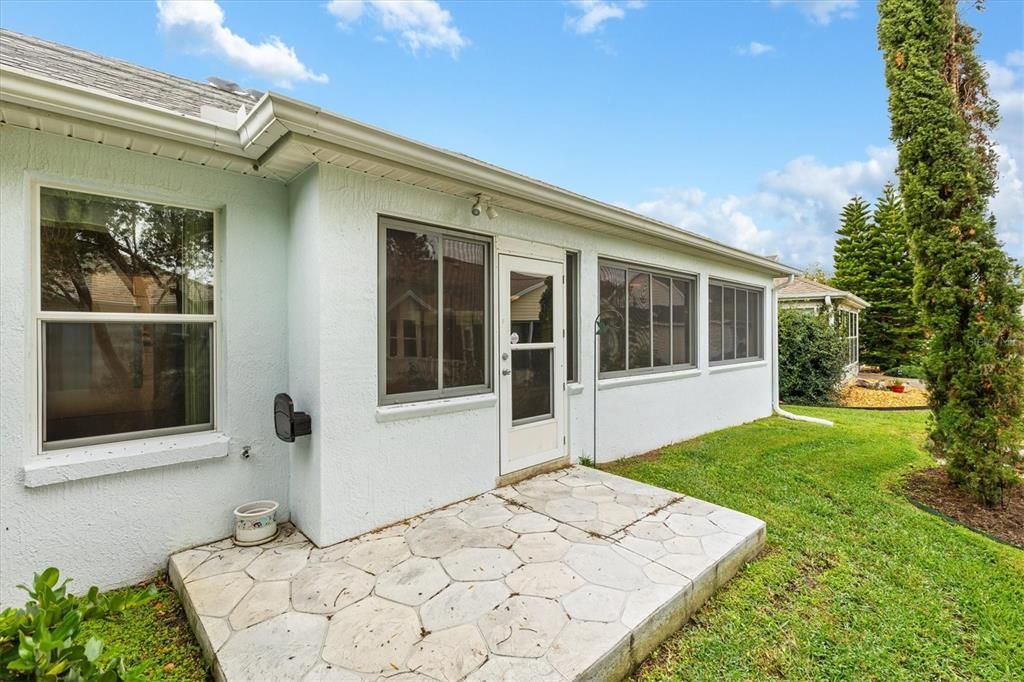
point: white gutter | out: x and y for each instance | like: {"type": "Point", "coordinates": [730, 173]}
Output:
{"type": "Point", "coordinates": [776, 405]}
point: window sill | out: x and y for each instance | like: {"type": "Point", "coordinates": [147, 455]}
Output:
{"type": "Point", "coordinates": [652, 378]}
{"type": "Point", "coordinates": [73, 464]}
{"type": "Point", "coordinates": [429, 408]}
{"type": "Point", "coordinates": [720, 369]}
{"type": "Point", "coordinates": [574, 388]}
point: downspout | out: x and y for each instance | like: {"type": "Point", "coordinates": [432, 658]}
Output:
{"type": "Point", "coordinates": [776, 407]}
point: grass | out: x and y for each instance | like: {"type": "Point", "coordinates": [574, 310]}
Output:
{"type": "Point", "coordinates": [856, 583]}
{"type": "Point", "coordinates": [157, 632]}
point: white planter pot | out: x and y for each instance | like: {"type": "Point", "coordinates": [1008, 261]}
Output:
{"type": "Point", "coordinates": [255, 522]}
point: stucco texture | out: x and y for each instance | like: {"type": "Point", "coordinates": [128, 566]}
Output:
{"type": "Point", "coordinates": [120, 528]}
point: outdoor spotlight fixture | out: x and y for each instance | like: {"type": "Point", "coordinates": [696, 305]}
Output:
{"type": "Point", "coordinates": [483, 205]}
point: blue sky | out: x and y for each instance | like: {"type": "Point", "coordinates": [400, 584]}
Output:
{"type": "Point", "coordinates": [751, 122]}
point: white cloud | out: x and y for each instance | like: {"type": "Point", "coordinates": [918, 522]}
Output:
{"type": "Point", "coordinates": [419, 24]}
{"type": "Point", "coordinates": [755, 49]}
{"type": "Point", "coordinates": [822, 11]}
{"type": "Point", "coordinates": [591, 14]}
{"type": "Point", "coordinates": [1006, 84]}
{"type": "Point", "coordinates": [203, 23]}
{"type": "Point", "coordinates": [793, 213]}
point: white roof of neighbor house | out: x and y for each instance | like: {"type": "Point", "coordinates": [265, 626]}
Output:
{"type": "Point", "coordinates": [804, 289]}
{"type": "Point", "coordinates": [54, 88]}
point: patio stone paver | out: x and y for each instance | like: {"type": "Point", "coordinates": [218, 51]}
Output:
{"type": "Point", "coordinates": [575, 573]}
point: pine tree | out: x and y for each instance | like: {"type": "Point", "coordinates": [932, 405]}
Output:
{"type": "Point", "coordinates": [890, 329]}
{"type": "Point", "coordinates": [850, 255]}
{"type": "Point", "coordinates": [965, 284]}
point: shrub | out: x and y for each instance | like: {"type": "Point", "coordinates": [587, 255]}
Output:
{"type": "Point", "coordinates": [811, 358]}
{"type": "Point", "coordinates": [908, 371]}
{"type": "Point", "coordinates": [43, 640]}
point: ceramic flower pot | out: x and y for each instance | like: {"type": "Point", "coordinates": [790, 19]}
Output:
{"type": "Point", "coordinates": [255, 522]}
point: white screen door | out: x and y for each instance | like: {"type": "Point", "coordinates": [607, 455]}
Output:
{"type": "Point", "coordinates": [531, 352]}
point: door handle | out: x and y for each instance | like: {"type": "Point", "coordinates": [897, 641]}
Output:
{"type": "Point", "coordinates": [505, 372]}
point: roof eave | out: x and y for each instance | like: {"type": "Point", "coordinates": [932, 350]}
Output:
{"type": "Point", "coordinates": [311, 121]}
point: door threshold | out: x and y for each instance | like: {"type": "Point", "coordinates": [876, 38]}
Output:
{"type": "Point", "coordinates": [523, 474]}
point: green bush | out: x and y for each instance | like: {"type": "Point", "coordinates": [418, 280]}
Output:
{"type": "Point", "coordinates": [909, 371]}
{"type": "Point", "coordinates": [43, 641]}
{"type": "Point", "coordinates": [811, 358]}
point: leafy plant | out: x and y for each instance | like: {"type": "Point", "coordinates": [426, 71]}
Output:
{"type": "Point", "coordinates": [811, 357]}
{"type": "Point", "coordinates": [908, 371]}
{"type": "Point", "coordinates": [42, 641]}
{"type": "Point", "coordinates": [966, 286]}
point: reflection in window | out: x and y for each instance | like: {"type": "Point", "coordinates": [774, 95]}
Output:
{"type": "Point", "coordinates": [531, 307]}
{"type": "Point", "coordinates": [464, 292]}
{"type": "Point", "coordinates": [734, 322]}
{"type": "Point", "coordinates": [106, 255]}
{"type": "Point", "coordinates": [572, 273]}
{"type": "Point", "coordinates": [130, 259]}
{"type": "Point", "coordinates": [659, 325]}
{"type": "Point", "coordinates": [531, 384]}
{"type": "Point", "coordinates": [411, 307]}
{"type": "Point", "coordinates": [613, 318]}
{"type": "Point", "coordinates": [427, 355]}
{"type": "Point", "coordinates": [122, 377]}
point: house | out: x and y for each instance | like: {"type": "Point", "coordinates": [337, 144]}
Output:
{"type": "Point", "coordinates": [807, 294]}
{"type": "Point", "coordinates": [175, 255]}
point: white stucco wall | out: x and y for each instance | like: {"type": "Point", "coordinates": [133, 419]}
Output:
{"type": "Point", "coordinates": [119, 528]}
{"type": "Point", "coordinates": [375, 472]}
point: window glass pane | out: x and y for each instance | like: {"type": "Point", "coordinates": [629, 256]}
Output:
{"type": "Point", "coordinates": [531, 383]}
{"type": "Point", "coordinates": [728, 323]}
{"type": "Point", "coordinates": [613, 318]}
{"type": "Point", "coordinates": [639, 320]}
{"type": "Point", "coordinates": [571, 332]}
{"type": "Point", "coordinates": [113, 378]}
{"type": "Point", "coordinates": [662, 314]}
{"type": "Point", "coordinates": [715, 322]}
{"type": "Point", "coordinates": [531, 307]}
{"type": "Point", "coordinates": [741, 323]}
{"type": "Point", "coordinates": [101, 254]}
{"type": "Point", "coordinates": [411, 301]}
{"type": "Point", "coordinates": [754, 300]}
{"type": "Point", "coordinates": [681, 322]}
{"type": "Point", "coordinates": [464, 290]}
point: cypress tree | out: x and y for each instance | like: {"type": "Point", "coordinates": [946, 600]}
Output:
{"type": "Point", "coordinates": [965, 283]}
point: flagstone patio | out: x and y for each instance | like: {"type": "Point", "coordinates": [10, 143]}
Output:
{"type": "Point", "coordinates": [575, 574]}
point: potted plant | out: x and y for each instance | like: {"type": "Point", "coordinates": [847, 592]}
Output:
{"type": "Point", "coordinates": [897, 386]}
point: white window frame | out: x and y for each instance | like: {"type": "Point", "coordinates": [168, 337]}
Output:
{"type": "Point", "coordinates": [384, 223]}
{"type": "Point", "coordinates": [40, 317]}
{"type": "Point", "coordinates": [737, 286]}
{"type": "Point", "coordinates": [572, 316]}
{"type": "Point", "coordinates": [652, 271]}
{"type": "Point", "coordinates": [852, 337]}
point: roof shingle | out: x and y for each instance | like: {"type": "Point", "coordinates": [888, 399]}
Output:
{"type": "Point", "coordinates": [113, 76]}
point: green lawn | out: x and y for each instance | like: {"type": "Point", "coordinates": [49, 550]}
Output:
{"type": "Point", "coordinates": [856, 583]}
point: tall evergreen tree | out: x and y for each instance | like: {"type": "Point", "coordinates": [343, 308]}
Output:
{"type": "Point", "coordinates": [890, 331]}
{"type": "Point", "coordinates": [964, 285]}
{"type": "Point", "coordinates": [851, 257]}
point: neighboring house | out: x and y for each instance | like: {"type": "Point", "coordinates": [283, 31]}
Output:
{"type": "Point", "coordinates": [174, 255]}
{"type": "Point", "coordinates": [806, 294]}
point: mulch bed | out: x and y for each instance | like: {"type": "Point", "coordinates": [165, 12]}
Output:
{"type": "Point", "coordinates": [933, 489]}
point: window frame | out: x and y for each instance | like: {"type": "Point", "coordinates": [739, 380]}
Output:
{"type": "Point", "coordinates": [852, 337]}
{"type": "Point", "coordinates": [40, 317]}
{"type": "Point", "coordinates": [737, 286]}
{"type": "Point", "coordinates": [652, 271]}
{"type": "Point", "coordinates": [384, 223]}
